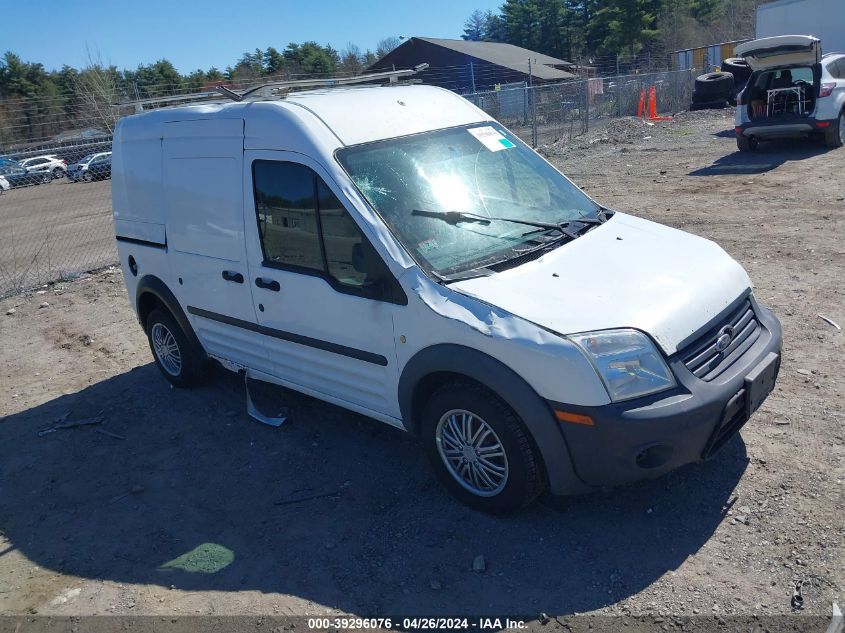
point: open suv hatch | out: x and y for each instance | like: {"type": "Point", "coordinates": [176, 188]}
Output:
{"type": "Point", "coordinates": [794, 91]}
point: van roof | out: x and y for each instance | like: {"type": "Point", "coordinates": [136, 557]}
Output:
{"type": "Point", "coordinates": [352, 115]}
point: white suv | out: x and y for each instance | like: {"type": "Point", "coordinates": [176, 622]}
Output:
{"type": "Point", "coordinates": [794, 91]}
{"type": "Point", "coordinates": [396, 252]}
{"type": "Point", "coordinates": [51, 163]}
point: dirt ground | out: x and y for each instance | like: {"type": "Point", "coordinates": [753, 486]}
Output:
{"type": "Point", "coordinates": [178, 503]}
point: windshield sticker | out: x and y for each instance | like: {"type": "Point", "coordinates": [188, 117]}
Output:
{"type": "Point", "coordinates": [491, 138]}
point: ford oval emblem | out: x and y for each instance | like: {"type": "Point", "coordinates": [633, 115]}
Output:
{"type": "Point", "coordinates": [724, 338]}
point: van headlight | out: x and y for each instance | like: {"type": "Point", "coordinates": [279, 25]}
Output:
{"type": "Point", "coordinates": [627, 361]}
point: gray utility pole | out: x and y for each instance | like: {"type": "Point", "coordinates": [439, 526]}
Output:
{"type": "Point", "coordinates": [532, 97]}
{"type": "Point", "coordinates": [472, 74]}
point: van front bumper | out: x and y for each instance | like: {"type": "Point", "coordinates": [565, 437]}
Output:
{"type": "Point", "coordinates": [647, 437]}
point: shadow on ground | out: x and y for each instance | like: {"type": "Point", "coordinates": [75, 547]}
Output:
{"type": "Point", "coordinates": [768, 156]}
{"type": "Point", "coordinates": [199, 496]}
{"type": "Point", "coordinates": [725, 133]}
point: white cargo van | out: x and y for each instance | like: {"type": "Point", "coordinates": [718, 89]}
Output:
{"type": "Point", "coordinates": [395, 251]}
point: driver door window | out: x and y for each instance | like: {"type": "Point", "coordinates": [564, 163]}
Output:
{"type": "Point", "coordinates": [303, 227]}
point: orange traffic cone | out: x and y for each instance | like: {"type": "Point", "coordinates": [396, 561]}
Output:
{"type": "Point", "coordinates": [652, 106]}
{"type": "Point", "coordinates": [641, 104]}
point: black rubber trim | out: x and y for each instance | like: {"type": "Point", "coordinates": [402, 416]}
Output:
{"type": "Point", "coordinates": [132, 240]}
{"type": "Point", "coordinates": [334, 348]}
{"type": "Point", "coordinates": [150, 284]}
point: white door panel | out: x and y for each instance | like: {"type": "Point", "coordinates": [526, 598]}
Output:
{"type": "Point", "coordinates": [317, 337]}
{"type": "Point", "coordinates": [205, 237]}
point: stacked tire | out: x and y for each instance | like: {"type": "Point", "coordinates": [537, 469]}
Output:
{"type": "Point", "coordinates": [713, 90]}
{"type": "Point", "coordinates": [739, 68]}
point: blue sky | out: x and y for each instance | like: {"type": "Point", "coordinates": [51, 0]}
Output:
{"type": "Point", "coordinates": [194, 34]}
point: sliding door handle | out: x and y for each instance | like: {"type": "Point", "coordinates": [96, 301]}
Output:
{"type": "Point", "coordinates": [231, 275]}
{"type": "Point", "coordinates": [268, 284]}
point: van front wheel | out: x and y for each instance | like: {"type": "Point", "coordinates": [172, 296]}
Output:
{"type": "Point", "coordinates": [173, 355]}
{"type": "Point", "coordinates": [480, 449]}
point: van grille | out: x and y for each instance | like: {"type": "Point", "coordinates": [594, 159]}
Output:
{"type": "Point", "coordinates": [703, 358]}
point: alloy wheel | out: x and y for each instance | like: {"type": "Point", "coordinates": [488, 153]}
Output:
{"type": "Point", "coordinates": [472, 452]}
{"type": "Point", "coordinates": [166, 349]}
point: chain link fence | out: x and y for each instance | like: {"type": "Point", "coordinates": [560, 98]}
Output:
{"type": "Point", "coordinates": [55, 208]}
{"type": "Point", "coordinates": [545, 114]}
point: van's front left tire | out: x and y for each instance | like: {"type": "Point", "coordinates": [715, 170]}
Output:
{"type": "Point", "coordinates": [480, 449]}
{"type": "Point", "coordinates": [173, 354]}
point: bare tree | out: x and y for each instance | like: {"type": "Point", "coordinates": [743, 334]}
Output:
{"type": "Point", "coordinates": [386, 45]}
{"type": "Point", "coordinates": [351, 60]}
{"type": "Point", "coordinates": [737, 22]}
{"type": "Point", "coordinates": [98, 91]}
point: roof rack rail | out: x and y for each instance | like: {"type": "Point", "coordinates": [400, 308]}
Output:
{"type": "Point", "coordinates": [276, 88]}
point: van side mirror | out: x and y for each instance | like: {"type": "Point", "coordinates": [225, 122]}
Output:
{"type": "Point", "coordinates": [365, 260]}
{"type": "Point", "coordinates": [379, 282]}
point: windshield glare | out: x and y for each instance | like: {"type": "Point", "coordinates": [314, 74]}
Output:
{"type": "Point", "coordinates": [480, 169]}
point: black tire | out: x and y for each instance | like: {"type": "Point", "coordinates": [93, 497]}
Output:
{"type": "Point", "coordinates": [697, 97]}
{"type": "Point", "coordinates": [87, 177]}
{"type": "Point", "coordinates": [834, 136]}
{"type": "Point", "coordinates": [191, 364]}
{"type": "Point", "coordinates": [735, 93]}
{"type": "Point", "coordinates": [58, 173]}
{"type": "Point", "coordinates": [525, 477]}
{"type": "Point", "coordinates": [746, 143]}
{"type": "Point", "coordinates": [714, 84]}
{"type": "Point", "coordinates": [739, 68]}
{"type": "Point", "coordinates": [718, 104]}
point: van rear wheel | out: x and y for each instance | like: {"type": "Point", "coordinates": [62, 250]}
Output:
{"type": "Point", "coordinates": [173, 354]}
{"type": "Point", "coordinates": [480, 450]}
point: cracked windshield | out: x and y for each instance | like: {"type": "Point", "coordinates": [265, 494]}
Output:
{"type": "Point", "coordinates": [444, 195]}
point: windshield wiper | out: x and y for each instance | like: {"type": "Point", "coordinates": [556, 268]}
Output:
{"type": "Point", "coordinates": [454, 217]}
{"type": "Point", "coordinates": [471, 273]}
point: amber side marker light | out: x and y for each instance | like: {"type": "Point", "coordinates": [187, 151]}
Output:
{"type": "Point", "coordinates": [574, 418]}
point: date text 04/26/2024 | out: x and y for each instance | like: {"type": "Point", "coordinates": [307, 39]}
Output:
{"type": "Point", "coordinates": [417, 623]}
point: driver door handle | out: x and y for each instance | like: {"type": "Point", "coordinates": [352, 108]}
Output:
{"type": "Point", "coordinates": [231, 275]}
{"type": "Point", "coordinates": [268, 284]}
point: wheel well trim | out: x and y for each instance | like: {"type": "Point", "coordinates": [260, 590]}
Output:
{"type": "Point", "coordinates": [152, 285]}
{"type": "Point", "coordinates": [534, 412]}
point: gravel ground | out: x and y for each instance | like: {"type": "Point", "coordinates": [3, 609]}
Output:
{"type": "Point", "coordinates": [178, 503]}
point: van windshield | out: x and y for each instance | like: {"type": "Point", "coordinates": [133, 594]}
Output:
{"type": "Point", "coordinates": [479, 170]}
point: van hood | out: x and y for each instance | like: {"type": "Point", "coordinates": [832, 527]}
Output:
{"type": "Point", "coordinates": [626, 273]}
{"type": "Point", "coordinates": [782, 50]}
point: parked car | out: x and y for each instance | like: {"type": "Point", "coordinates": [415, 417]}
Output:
{"type": "Point", "coordinates": [4, 184]}
{"type": "Point", "coordinates": [8, 162]}
{"type": "Point", "coordinates": [52, 163]}
{"type": "Point", "coordinates": [397, 252]}
{"type": "Point", "coordinates": [92, 167]}
{"type": "Point", "coordinates": [793, 91]}
{"type": "Point", "coordinates": [20, 177]}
